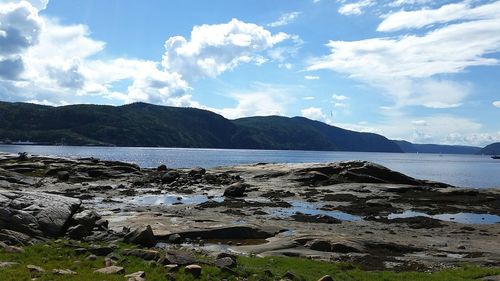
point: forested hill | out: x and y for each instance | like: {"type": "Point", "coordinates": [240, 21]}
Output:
{"type": "Point", "coordinates": [492, 149]}
{"type": "Point", "coordinates": [142, 124]}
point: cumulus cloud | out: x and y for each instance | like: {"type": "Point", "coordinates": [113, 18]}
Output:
{"type": "Point", "coordinates": [315, 113]}
{"type": "Point", "coordinates": [447, 13]}
{"type": "Point", "coordinates": [399, 3]}
{"type": "Point", "coordinates": [406, 67]}
{"type": "Point", "coordinates": [285, 19]}
{"type": "Point", "coordinates": [355, 8]}
{"type": "Point", "coordinates": [496, 103]}
{"type": "Point", "coordinates": [262, 100]}
{"type": "Point", "coordinates": [44, 61]}
{"type": "Point", "coordinates": [444, 129]}
{"type": "Point", "coordinates": [213, 49]}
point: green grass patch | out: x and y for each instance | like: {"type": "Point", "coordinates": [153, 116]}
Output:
{"type": "Point", "coordinates": [55, 255]}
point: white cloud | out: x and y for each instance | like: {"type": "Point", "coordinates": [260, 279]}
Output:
{"type": "Point", "coordinates": [496, 103]}
{"type": "Point", "coordinates": [285, 19]}
{"type": "Point", "coordinates": [308, 98]}
{"type": "Point", "coordinates": [355, 8]}
{"type": "Point", "coordinates": [311, 77]}
{"type": "Point", "coordinates": [263, 100]}
{"type": "Point", "coordinates": [444, 129]}
{"type": "Point", "coordinates": [315, 113]}
{"type": "Point", "coordinates": [339, 97]}
{"type": "Point", "coordinates": [44, 61]}
{"type": "Point", "coordinates": [406, 67]}
{"type": "Point", "coordinates": [398, 3]}
{"type": "Point", "coordinates": [447, 13]}
{"type": "Point", "coordinates": [213, 49]}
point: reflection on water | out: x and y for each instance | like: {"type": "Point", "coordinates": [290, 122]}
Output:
{"type": "Point", "coordinates": [466, 218]}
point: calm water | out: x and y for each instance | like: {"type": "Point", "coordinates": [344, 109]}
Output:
{"type": "Point", "coordinates": [462, 170]}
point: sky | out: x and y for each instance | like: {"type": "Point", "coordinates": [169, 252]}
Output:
{"type": "Point", "coordinates": [420, 70]}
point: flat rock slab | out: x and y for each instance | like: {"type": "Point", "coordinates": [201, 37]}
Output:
{"type": "Point", "coordinates": [36, 213]}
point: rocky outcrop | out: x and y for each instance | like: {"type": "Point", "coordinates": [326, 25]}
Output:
{"type": "Point", "coordinates": [36, 214]}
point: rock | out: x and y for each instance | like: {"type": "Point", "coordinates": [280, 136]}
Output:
{"type": "Point", "coordinates": [111, 270]}
{"type": "Point", "coordinates": [179, 258]}
{"type": "Point", "coordinates": [12, 249]}
{"type": "Point", "coordinates": [101, 250]}
{"type": "Point", "coordinates": [289, 275]}
{"type": "Point", "coordinates": [170, 177]}
{"type": "Point", "coordinates": [175, 239]}
{"type": "Point", "coordinates": [225, 262]}
{"type": "Point", "coordinates": [63, 175]}
{"type": "Point", "coordinates": [162, 168]}
{"type": "Point", "coordinates": [492, 278]}
{"type": "Point", "coordinates": [235, 190]}
{"type": "Point", "coordinates": [87, 218]}
{"type": "Point", "coordinates": [326, 278]}
{"type": "Point", "coordinates": [91, 258]}
{"type": "Point", "coordinates": [102, 224]}
{"type": "Point", "coordinates": [172, 267]}
{"type": "Point", "coordinates": [193, 269]}
{"type": "Point", "coordinates": [136, 276]}
{"type": "Point", "coordinates": [63, 272]}
{"type": "Point", "coordinates": [78, 232]}
{"type": "Point", "coordinates": [7, 264]}
{"type": "Point", "coordinates": [14, 237]}
{"type": "Point", "coordinates": [298, 216]}
{"type": "Point", "coordinates": [34, 270]}
{"type": "Point", "coordinates": [141, 236]}
{"type": "Point", "coordinates": [227, 255]}
{"type": "Point", "coordinates": [143, 254]}
{"type": "Point", "coordinates": [36, 213]}
{"type": "Point", "coordinates": [198, 171]}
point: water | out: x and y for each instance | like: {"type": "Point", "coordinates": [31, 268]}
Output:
{"type": "Point", "coordinates": [476, 171]}
{"type": "Point", "coordinates": [313, 209]}
{"type": "Point", "coordinates": [171, 199]}
{"type": "Point", "coordinates": [466, 218]}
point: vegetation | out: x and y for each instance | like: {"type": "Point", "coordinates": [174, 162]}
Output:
{"type": "Point", "coordinates": [492, 149]}
{"type": "Point", "coordinates": [58, 255]}
{"type": "Point", "coordinates": [409, 147]}
{"type": "Point", "coordinates": [142, 124]}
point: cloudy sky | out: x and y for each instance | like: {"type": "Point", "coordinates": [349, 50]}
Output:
{"type": "Point", "coordinates": [421, 70]}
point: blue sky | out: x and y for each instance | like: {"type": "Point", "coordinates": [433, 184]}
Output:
{"type": "Point", "coordinates": [425, 71]}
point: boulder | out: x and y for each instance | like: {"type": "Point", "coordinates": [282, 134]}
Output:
{"type": "Point", "coordinates": [136, 276]}
{"type": "Point", "coordinates": [143, 254]}
{"type": "Point", "coordinates": [235, 190]}
{"type": "Point", "coordinates": [225, 262]}
{"type": "Point", "coordinates": [193, 269]}
{"type": "Point", "coordinates": [169, 177]}
{"type": "Point", "coordinates": [78, 232]}
{"type": "Point", "coordinates": [111, 270]}
{"type": "Point", "coordinates": [141, 236]}
{"type": "Point", "coordinates": [7, 264]}
{"type": "Point", "coordinates": [36, 214]}
{"type": "Point", "coordinates": [63, 272]}
{"type": "Point", "coordinates": [326, 278]}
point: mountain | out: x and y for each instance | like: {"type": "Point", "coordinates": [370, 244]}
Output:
{"type": "Point", "coordinates": [141, 124]}
{"type": "Point", "coordinates": [409, 147]}
{"type": "Point", "coordinates": [492, 149]}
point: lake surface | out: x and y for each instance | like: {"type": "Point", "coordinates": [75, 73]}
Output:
{"type": "Point", "coordinates": [476, 171]}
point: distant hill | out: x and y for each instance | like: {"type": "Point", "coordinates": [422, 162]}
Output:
{"type": "Point", "coordinates": [492, 149]}
{"type": "Point", "coordinates": [409, 147]}
{"type": "Point", "coordinates": [142, 124]}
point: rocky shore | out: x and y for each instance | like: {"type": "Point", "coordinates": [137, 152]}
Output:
{"type": "Point", "coordinates": [357, 212]}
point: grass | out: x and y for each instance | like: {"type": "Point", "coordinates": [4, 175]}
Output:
{"type": "Point", "coordinates": [55, 255]}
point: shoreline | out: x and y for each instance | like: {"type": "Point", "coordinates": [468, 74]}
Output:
{"type": "Point", "coordinates": [341, 211]}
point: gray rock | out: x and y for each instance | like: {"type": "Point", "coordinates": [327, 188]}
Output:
{"type": "Point", "coordinates": [36, 214]}
{"type": "Point", "coordinates": [143, 254]}
{"type": "Point", "coordinates": [326, 278]}
{"type": "Point", "coordinates": [7, 264]}
{"type": "Point", "coordinates": [236, 190]}
{"type": "Point", "coordinates": [170, 177]}
{"type": "Point", "coordinates": [193, 269]}
{"type": "Point", "coordinates": [225, 262]}
{"type": "Point", "coordinates": [141, 236]}
{"type": "Point", "coordinates": [175, 239]}
{"type": "Point", "coordinates": [78, 232]}
{"type": "Point", "coordinates": [63, 272]}
{"type": "Point", "coordinates": [111, 270]}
